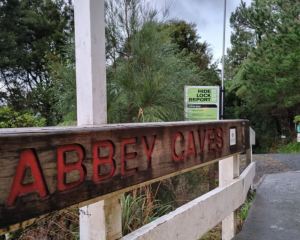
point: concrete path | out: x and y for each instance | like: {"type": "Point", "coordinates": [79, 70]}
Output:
{"type": "Point", "coordinates": [275, 212]}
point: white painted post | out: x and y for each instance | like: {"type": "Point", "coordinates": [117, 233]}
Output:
{"type": "Point", "coordinates": [101, 220]}
{"type": "Point", "coordinates": [228, 170]}
{"type": "Point", "coordinates": [249, 151]}
{"type": "Point", "coordinates": [249, 158]}
{"type": "Point", "coordinates": [90, 62]}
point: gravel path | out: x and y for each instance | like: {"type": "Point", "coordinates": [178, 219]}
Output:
{"type": "Point", "coordinates": [273, 163]}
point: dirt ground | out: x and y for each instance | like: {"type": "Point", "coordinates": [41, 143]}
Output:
{"type": "Point", "coordinates": [264, 165]}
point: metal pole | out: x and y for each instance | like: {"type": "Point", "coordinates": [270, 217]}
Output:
{"type": "Point", "coordinates": [223, 63]}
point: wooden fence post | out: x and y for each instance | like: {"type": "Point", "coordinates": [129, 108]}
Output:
{"type": "Point", "coordinates": [101, 220]}
{"type": "Point", "coordinates": [228, 170]}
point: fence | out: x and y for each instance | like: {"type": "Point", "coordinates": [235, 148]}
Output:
{"type": "Point", "coordinates": [47, 169]}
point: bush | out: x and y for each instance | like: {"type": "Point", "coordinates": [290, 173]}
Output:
{"type": "Point", "coordinates": [12, 119]}
{"type": "Point", "coordinates": [293, 147]}
{"type": "Point", "coordinates": [141, 209]}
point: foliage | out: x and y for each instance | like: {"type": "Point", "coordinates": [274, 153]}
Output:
{"type": "Point", "coordinates": [213, 234]}
{"type": "Point", "coordinates": [152, 80]}
{"type": "Point", "coordinates": [61, 225]}
{"type": "Point", "coordinates": [146, 72]}
{"type": "Point", "coordinates": [297, 119]}
{"type": "Point", "coordinates": [29, 28]}
{"type": "Point", "coordinates": [265, 81]}
{"type": "Point", "coordinates": [293, 147]}
{"type": "Point", "coordinates": [185, 36]}
{"type": "Point", "coordinates": [242, 40]}
{"type": "Point", "coordinates": [140, 209]}
{"type": "Point", "coordinates": [243, 212]}
{"type": "Point", "coordinates": [12, 119]}
{"type": "Point", "coordinates": [61, 69]}
{"type": "Point", "coordinates": [185, 187]}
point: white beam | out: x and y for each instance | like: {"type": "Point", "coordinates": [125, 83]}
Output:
{"type": "Point", "coordinates": [90, 62]}
{"type": "Point", "coordinates": [101, 220]}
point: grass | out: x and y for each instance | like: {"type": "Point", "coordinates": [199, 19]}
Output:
{"type": "Point", "coordinates": [213, 234]}
{"type": "Point", "coordinates": [293, 147]}
{"type": "Point", "coordinates": [140, 208]}
{"type": "Point", "coordinates": [243, 211]}
{"type": "Point", "coordinates": [63, 226]}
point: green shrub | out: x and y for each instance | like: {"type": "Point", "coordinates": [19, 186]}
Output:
{"type": "Point", "coordinates": [293, 147]}
{"type": "Point", "coordinates": [141, 209]}
{"type": "Point", "coordinates": [12, 119]}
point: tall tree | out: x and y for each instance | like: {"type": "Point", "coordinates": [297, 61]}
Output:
{"type": "Point", "coordinates": [242, 40]}
{"type": "Point", "coordinates": [29, 29]}
{"type": "Point", "coordinates": [185, 36]}
{"type": "Point", "coordinates": [267, 82]}
{"type": "Point", "coordinates": [146, 71]}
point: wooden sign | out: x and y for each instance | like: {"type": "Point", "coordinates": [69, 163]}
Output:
{"type": "Point", "coordinates": [48, 169]}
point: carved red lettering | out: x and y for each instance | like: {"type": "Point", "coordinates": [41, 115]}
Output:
{"type": "Point", "coordinates": [28, 158]}
{"type": "Point", "coordinates": [149, 150]}
{"type": "Point", "coordinates": [191, 145]}
{"type": "Point", "coordinates": [125, 156]}
{"type": "Point", "coordinates": [210, 140]}
{"type": "Point", "coordinates": [201, 140]}
{"type": "Point", "coordinates": [177, 158]}
{"type": "Point", "coordinates": [98, 161]}
{"type": "Point", "coordinates": [219, 137]}
{"type": "Point", "coordinates": [63, 167]}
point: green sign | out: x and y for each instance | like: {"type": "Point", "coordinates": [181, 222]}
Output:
{"type": "Point", "coordinates": [201, 103]}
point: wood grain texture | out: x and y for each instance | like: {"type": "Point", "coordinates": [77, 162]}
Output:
{"type": "Point", "coordinates": [141, 152]}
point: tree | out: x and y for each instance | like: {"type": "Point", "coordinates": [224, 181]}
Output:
{"type": "Point", "coordinates": [149, 87]}
{"type": "Point", "coordinates": [12, 119]}
{"type": "Point", "coordinates": [242, 41]}
{"type": "Point", "coordinates": [267, 82]}
{"type": "Point", "coordinates": [146, 71]}
{"type": "Point", "coordinates": [29, 29]}
{"type": "Point", "coordinates": [123, 19]}
{"type": "Point", "coordinates": [185, 36]}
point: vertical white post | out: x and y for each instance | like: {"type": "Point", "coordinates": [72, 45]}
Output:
{"type": "Point", "coordinates": [249, 158]}
{"type": "Point", "coordinates": [90, 62]}
{"type": "Point", "coordinates": [228, 170]}
{"type": "Point", "coordinates": [102, 220]}
{"type": "Point", "coordinates": [249, 151]}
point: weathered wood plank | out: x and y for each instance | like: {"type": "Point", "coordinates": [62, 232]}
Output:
{"type": "Point", "coordinates": [76, 164]}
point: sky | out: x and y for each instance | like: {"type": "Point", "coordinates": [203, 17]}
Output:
{"type": "Point", "coordinates": [208, 16]}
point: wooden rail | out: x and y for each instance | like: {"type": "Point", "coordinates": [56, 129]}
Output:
{"type": "Point", "coordinates": [194, 219]}
{"type": "Point", "coordinates": [47, 169]}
